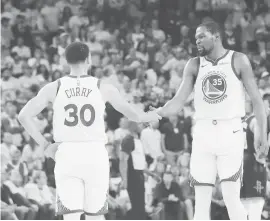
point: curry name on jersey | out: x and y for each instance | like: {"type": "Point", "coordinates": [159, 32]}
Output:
{"type": "Point", "coordinates": [78, 110]}
{"type": "Point", "coordinates": [219, 94]}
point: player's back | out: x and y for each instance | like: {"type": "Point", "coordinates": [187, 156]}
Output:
{"type": "Point", "coordinates": [219, 93]}
{"type": "Point", "coordinates": [78, 110]}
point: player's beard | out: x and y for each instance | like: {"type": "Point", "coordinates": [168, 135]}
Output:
{"type": "Point", "coordinates": [203, 52]}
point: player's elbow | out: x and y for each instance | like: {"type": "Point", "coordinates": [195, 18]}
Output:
{"type": "Point", "coordinates": [22, 117]}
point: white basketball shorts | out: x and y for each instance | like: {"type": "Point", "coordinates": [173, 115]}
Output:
{"type": "Point", "coordinates": [82, 178]}
{"type": "Point", "coordinates": [217, 149]}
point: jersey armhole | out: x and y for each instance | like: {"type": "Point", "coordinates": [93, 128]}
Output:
{"type": "Point", "coordinates": [233, 67]}
{"type": "Point", "coordinates": [198, 61]}
{"type": "Point", "coordinates": [98, 83]}
{"type": "Point", "coordinates": [58, 87]}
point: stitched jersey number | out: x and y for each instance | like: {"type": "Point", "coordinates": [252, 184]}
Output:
{"type": "Point", "coordinates": [73, 113]}
{"type": "Point", "coordinates": [217, 81]}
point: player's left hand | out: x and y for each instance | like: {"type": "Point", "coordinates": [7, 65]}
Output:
{"type": "Point", "coordinates": [262, 147]}
{"type": "Point", "coordinates": [151, 116]}
{"type": "Point", "coordinates": [51, 150]}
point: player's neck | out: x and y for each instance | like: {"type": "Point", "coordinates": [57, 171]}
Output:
{"type": "Point", "coordinates": [77, 72]}
{"type": "Point", "coordinates": [216, 53]}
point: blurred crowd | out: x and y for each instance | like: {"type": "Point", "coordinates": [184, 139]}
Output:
{"type": "Point", "coordinates": [141, 47]}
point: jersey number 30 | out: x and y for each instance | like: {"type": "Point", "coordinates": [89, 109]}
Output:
{"type": "Point", "coordinates": [73, 113]}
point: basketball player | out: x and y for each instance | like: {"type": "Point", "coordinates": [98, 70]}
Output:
{"type": "Point", "coordinates": [82, 164]}
{"type": "Point", "coordinates": [255, 175]}
{"type": "Point", "coordinates": [218, 76]}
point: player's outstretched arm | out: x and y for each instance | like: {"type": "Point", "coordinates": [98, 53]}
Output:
{"type": "Point", "coordinates": [111, 94]}
{"type": "Point", "coordinates": [177, 102]}
{"type": "Point", "coordinates": [243, 67]}
{"type": "Point", "coordinates": [33, 108]}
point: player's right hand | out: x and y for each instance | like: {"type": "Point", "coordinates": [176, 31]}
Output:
{"type": "Point", "coordinates": [151, 116]}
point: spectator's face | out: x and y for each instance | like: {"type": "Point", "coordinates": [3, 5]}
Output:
{"type": "Point", "coordinates": [5, 22]}
{"type": "Point", "coordinates": [42, 179]}
{"type": "Point", "coordinates": [164, 48]}
{"type": "Point", "coordinates": [141, 85]}
{"type": "Point", "coordinates": [7, 138]}
{"type": "Point", "coordinates": [191, 16]}
{"type": "Point", "coordinates": [160, 81]}
{"type": "Point", "coordinates": [91, 36]}
{"type": "Point", "coordinates": [184, 31]}
{"type": "Point", "coordinates": [127, 85]}
{"type": "Point", "coordinates": [6, 74]}
{"type": "Point", "coordinates": [160, 167]}
{"type": "Point", "coordinates": [4, 174]}
{"type": "Point", "coordinates": [20, 41]}
{"type": "Point", "coordinates": [137, 28]}
{"type": "Point", "coordinates": [81, 12]}
{"type": "Point", "coordinates": [57, 74]}
{"type": "Point", "coordinates": [205, 41]}
{"type": "Point", "coordinates": [16, 178]}
{"type": "Point", "coordinates": [123, 123]}
{"type": "Point", "coordinates": [134, 127]}
{"type": "Point", "coordinates": [266, 104]}
{"type": "Point", "coordinates": [139, 73]}
{"type": "Point", "coordinates": [50, 2]}
{"type": "Point", "coordinates": [11, 109]}
{"type": "Point", "coordinates": [167, 178]}
{"type": "Point", "coordinates": [67, 11]}
{"type": "Point", "coordinates": [262, 83]}
{"type": "Point", "coordinates": [173, 118]}
{"type": "Point", "coordinates": [101, 25]}
{"type": "Point", "coordinates": [142, 47]}
{"type": "Point", "coordinates": [26, 70]}
{"type": "Point", "coordinates": [99, 73]}
{"type": "Point", "coordinates": [154, 24]}
{"type": "Point", "coordinates": [56, 58]}
{"type": "Point", "coordinates": [155, 125]}
{"type": "Point", "coordinates": [149, 32]}
{"type": "Point", "coordinates": [228, 26]}
{"type": "Point", "coordinates": [175, 171]}
{"type": "Point", "coordinates": [132, 52]}
{"type": "Point", "coordinates": [43, 69]}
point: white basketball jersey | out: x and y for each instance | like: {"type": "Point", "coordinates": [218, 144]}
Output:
{"type": "Point", "coordinates": [219, 94]}
{"type": "Point", "coordinates": [78, 110]}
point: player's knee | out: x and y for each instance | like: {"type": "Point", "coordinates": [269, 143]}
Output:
{"type": "Point", "coordinates": [231, 190]}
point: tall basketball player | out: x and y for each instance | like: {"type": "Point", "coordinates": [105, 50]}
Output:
{"type": "Point", "coordinates": [253, 190]}
{"type": "Point", "coordinates": [82, 164]}
{"type": "Point", "coordinates": [218, 76]}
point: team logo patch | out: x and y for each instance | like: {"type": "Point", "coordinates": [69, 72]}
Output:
{"type": "Point", "coordinates": [214, 87]}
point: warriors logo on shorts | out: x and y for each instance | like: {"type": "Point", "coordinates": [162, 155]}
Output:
{"type": "Point", "coordinates": [214, 87]}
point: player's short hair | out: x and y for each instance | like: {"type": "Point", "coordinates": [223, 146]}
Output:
{"type": "Point", "coordinates": [213, 27]}
{"type": "Point", "coordinates": [76, 52]}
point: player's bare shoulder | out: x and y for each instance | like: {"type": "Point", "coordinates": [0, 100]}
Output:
{"type": "Point", "coordinates": [49, 91]}
{"type": "Point", "coordinates": [240, 63]}
{"type": "Point", "coordinates": [107, 90]}
{"type": "Point", "coordinates": [192, 68]}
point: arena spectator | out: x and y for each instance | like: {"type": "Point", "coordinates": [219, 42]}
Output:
{"type": "Point", "coordinates": [151, 141]}
{"type": "Point", "coordinates": [15, 187]}
{"type": "Point", "coordinates": [173, 141]}
{"type": "Point", "coordinates": [132, 166]}
{"type": "Point", "coordinates": [168, 193]}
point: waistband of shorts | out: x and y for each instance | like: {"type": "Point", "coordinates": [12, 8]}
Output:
{"type": "Point", "coordinates": [85, 141]}
{"type": "Point", "coordinates": [219, 121]}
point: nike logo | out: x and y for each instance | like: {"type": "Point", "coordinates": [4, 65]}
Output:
{"type": "Point", "coordinates": [202, 66]}
{"type": "Point", "coordinates": [223, 63]}
{"type": "Point", "coordinates": [235, 131]}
